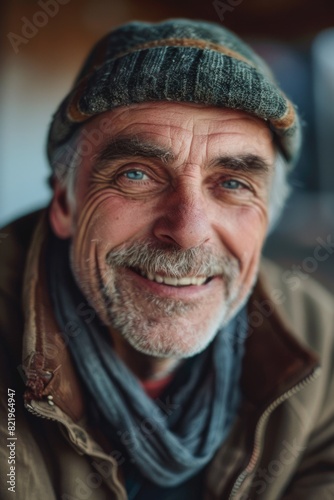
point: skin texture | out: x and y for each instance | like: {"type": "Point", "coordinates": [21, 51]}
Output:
{"type": "Point", "coordinates": [199, 210]}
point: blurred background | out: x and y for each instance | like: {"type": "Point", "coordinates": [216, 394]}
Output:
{"type": "Point", "coordinates": [43, 43]}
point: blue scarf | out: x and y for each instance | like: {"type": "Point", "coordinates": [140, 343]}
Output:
{"type": "Point", "coordinates": [170, 439]}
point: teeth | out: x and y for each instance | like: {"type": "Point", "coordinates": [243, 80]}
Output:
{"type": "Point", "coordinates": [169, 280]}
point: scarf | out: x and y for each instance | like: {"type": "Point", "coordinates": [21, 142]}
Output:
{"type": "Point", "coordinates": [169, 439]}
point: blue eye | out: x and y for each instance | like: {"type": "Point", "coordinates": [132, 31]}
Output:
{"type": "Point", "coordinates": [135, 175]}
{"type": "Point", "coordinates": [232, 184]}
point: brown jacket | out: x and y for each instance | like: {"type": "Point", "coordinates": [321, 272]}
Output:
{"type": "Point", "coordinates": [282, 443]}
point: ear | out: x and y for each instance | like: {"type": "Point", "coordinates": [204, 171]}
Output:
{"type": "Point", "coordinates": [60, 214]}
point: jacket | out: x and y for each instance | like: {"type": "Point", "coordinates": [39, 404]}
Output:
{"type": "Point", "coordinates": [280, 447]}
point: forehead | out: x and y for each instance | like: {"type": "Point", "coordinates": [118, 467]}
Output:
{"type": "Point", "coordinates": [166, 121]}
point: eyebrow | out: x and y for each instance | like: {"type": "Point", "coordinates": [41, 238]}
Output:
{"type": "Point", "coordinates": [242, 163]}
{"type": "Point", "coordinates": [125, 147]}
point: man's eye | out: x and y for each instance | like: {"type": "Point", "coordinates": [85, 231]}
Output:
{"type": "Point", "coordinates": [232, 184]}
{"type": "Point", "coordinates": [135, 175]}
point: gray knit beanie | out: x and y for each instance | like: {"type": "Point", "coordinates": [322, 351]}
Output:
{"type": "Point", "coordinates": [176, 60]}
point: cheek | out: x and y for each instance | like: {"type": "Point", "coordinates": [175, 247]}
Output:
{"type": "Point", "coordinates": [108, 221]}
{"type": "Point", "coordinates": [243, 234]}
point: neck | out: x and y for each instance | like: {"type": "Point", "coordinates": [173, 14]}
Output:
{"type": "Point", "coordinates": [143, 366]}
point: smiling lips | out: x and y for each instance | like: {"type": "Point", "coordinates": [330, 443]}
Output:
{"type": "Point", "coordinates": [172, 281]}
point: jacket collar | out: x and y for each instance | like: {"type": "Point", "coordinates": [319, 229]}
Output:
{"type": "Point", "coordinates": [46, 359]}
{"type": "Point", "coordinates": [274, 360]}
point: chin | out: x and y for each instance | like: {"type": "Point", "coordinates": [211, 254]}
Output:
{"type": "Point", "coordinates": [167, 337]}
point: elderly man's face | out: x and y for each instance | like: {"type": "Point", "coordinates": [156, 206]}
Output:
{"type": "Point", "coordinates": [170, 217]}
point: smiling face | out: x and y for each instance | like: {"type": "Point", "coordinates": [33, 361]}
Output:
{"type": "Point", "coordinates": [170, 218]}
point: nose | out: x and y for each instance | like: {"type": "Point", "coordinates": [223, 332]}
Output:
{"type": "Point", "coordinates": [185, 220]}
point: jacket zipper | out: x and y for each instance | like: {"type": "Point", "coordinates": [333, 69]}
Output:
{"type": "Point", "coordinates": [38, 413]}
{"type": "Point", "coordinates": [261, 425]}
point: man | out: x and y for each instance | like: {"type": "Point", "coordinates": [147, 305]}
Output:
{"type": "Point", "coordinates": [154, 357]}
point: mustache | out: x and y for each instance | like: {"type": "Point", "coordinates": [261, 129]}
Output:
{"type": "Point", "coordinates": [173, 261]}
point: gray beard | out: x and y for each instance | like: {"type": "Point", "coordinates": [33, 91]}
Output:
{"type": "Point", "coordinates": [159, 329]}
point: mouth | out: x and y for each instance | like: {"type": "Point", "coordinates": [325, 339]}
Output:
{"type": "Point", "coordinates": [185, 281]}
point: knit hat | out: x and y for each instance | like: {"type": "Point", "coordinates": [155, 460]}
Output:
{"type": "Point", "coordinates": [176, 60]}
